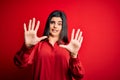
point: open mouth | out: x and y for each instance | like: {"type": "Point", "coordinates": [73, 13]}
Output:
{"type": "Point", "coordinates": [53, 30]}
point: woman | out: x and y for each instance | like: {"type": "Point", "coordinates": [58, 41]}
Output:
{"type": "Point", "coordinates": [53, 57]}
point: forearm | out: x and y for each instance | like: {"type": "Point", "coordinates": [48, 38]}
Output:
{"type": "Point", "coordinates": [21, 58]}
{"type": "Point", "coordinates": [76, 68]}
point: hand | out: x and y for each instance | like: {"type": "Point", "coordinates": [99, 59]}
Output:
{"type": "Point", "coordinates": [75, 43]}
{"type": "Point", "coordinates": [30, 35]}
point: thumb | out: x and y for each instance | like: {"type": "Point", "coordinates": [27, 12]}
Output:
{"type": "Point", "coordinates": [63, 46]}
{"type": "Point", "coordinates": [42, 38]}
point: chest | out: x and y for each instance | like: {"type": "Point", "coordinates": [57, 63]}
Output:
{"type": "Point", "coordinates": [53, 53]}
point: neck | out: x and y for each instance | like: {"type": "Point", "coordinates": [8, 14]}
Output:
{"type": "Point", "coordinates": [53, 40]}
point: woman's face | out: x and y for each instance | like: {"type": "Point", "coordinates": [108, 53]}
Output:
{"type": "Point", "coordinates": [55, 26]}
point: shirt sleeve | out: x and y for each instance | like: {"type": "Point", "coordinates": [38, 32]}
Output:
{"type": "Point", "coordinates": [76, 68]}
{"type": "Point", "coordinates": [25, 56]}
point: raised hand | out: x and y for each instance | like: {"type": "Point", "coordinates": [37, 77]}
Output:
{"type": "Point", "coordinates": [75, 43]}
{"type": "Point", "coordinates": [30, 35]}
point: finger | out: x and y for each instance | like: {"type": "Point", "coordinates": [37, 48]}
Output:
{"type": "Point", "coordinates": [37, 26]}
{"type": "Point", "coordinates": [63, 46]}
{"type": "Point", "coordinates": [76, 37]}
{"type": "Point", "coordinates": [42, 38]}
{"type": "Point", "coordinates": [25, 29]}
{"type": "Point", "coordinates": [81, 40]}
{"type": "Point", "coordinates": [72, 35]}
{"type": "Point", "coordinates": [29, 26]}
{"type": "Point", "coordinates": [33, 24]}
{"type": "Point", "coordinates": [80, 36]}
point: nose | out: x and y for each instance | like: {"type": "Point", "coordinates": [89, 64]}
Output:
{"type": "Point", "coordinates": [55, 25]}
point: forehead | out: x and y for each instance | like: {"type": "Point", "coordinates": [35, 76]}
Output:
{"type": "Point", "coordinates": [56, 19]}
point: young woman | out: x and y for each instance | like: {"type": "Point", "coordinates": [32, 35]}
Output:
{"type": "Point", "coordinates": [52, 56]}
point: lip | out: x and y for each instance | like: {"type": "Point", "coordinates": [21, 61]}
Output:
{"type": "Point", "coordinates": [54, 30]}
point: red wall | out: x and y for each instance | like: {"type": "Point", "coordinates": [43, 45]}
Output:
{"type": "Point", "coordinates": [98, 19]}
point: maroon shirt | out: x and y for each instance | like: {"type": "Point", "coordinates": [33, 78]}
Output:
{"type": "Point", "coordinates": [49, 62]}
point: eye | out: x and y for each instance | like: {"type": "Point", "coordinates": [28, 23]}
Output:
{"type": "Point", "coordinates": [60, 24]}
{"type": "Point", "coordinates": [52, 22]}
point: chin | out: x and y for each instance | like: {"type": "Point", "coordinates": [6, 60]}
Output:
{"type": "Point", "coordinates": [54, 34]}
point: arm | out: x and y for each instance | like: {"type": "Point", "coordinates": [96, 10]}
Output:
{"type": "Point", "coordinates": [76, 68]}
{"type": "Point", "coordinates": [26, 54]}
{"type": "Point", "coordinates": [73, 47]}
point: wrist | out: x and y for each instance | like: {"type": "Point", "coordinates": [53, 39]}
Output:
{"type": "Point", "coordinates": [74, 55]}
{"type": "Point", "coordinates": [28, 45]}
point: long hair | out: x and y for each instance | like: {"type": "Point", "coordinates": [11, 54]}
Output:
{"type": "Point", "coordinates": [63, 34]}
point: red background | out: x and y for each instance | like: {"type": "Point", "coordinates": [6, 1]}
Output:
{"type": "Point", "coordinates": [98, 19]}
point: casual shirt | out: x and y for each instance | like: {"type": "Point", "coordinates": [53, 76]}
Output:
{"type": "Point", "coordinates": [49, 62]}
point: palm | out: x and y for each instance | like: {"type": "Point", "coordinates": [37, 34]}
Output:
{"type": "Point", "coordinates": [75, 43]}
{"type": "Point", "coordinates": [73, 46]}
{"type": "Point", "coordinates": [30, 37]}
{"type": "Point", "coordinates": [31, 34]}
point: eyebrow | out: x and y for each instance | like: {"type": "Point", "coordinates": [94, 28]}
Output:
{"type": "Point", "coordinates": [54, 21]}
{"type": "Point", "coordinates": [59, 21]}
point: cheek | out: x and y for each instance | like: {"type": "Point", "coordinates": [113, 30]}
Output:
{"type": "Point", "coordinates": [51, 26]}
{"type": "Point", "coordinates": [60, 27]}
